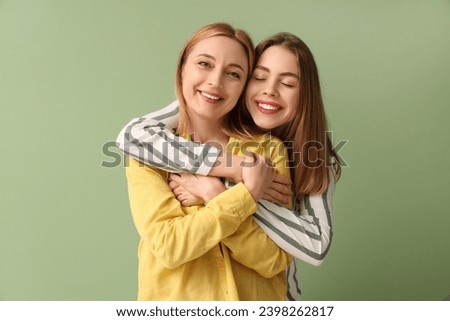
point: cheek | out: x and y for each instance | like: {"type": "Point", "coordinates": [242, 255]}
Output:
{"type": "Point", "coordinates": [190, 74]}
{"type": "Point", "coordinates": [235, 91]}
{"type": "Point", "coordinates": [249, 92]}
{"type": "Point", "coordinates": [249, 105]}
{"type": "Point", "coordinates": [190, 79]}
{"type": "Point", "coordinates": [251, 88]}
{"type": "Point", "coordinates": [291, 115]}
{"type": "Point", "coordinates": [294, 101]}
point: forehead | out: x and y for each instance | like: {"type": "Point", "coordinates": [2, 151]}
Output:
{"type": "Point", "coordinates": [279, 59]}
{"type": "Point", "coordinates": [224, 49]}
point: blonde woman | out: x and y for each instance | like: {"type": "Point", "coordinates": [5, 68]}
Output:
{"type": "Point", "coordinates": [215, 250]}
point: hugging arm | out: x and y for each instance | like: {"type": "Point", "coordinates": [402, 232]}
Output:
{"type": "Point", "coordinates": [304, 232]}
{"type": "Point", "coordinates": [174, 236]}
{"type": "Point", "coordinates": [177, 238]}
{"type": "Point", "coordinates": [151, 140]}
{"type": "Point", "coordinates": [262, 253]}
{"type": "Point", "coordinates": [249, 245]}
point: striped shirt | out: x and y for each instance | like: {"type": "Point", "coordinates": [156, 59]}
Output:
{"type": "Point", "coordinates": [304, 232]}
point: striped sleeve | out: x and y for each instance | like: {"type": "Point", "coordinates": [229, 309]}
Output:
{"type": "Point", "coordinates": [306, 232]}
{"type": "Point", "coordinates": [150, 140]}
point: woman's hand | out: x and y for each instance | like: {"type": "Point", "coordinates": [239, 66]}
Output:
{"type": "Point", "coordinates": [257, 174]}
{"type": "Point", "coordinates": [192, 189]}
{"type": "Point", "coordinates": [280, 191]}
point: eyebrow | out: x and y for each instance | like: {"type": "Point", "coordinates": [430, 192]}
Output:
{"type": "Point", "coordinates": [290, 74]}
{"type": "Point", "coordinates": [213, 58]}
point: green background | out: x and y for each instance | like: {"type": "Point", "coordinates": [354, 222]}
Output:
{"type": "Point", "coordinates": [72, 73]}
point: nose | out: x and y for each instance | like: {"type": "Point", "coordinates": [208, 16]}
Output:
{"type": "Point", "coordinates": [270, 89]}
{"type": "Point", "coordinates": [215, 78]}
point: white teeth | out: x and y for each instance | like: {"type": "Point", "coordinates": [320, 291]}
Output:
{"type": "Point", "coordinates": [269, 107]}
{"type": "Point", "coordinates": [210, 96]}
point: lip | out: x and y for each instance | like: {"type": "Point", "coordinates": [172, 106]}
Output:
{"type": "Point", "coordinates": [270, 103]}
{"type": "Point", "coordinates": [210, 97]}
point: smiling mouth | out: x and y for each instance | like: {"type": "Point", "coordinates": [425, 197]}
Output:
{"type": "Point", "coordinates": [267, 107]}
{"type": "Point", "coordinates": [210, 96]}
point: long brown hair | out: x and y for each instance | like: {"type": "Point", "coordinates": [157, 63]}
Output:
{"type": "Point", "coordinates": [208, 31]}
{"type": "Point", "coordinates": [306, 135]}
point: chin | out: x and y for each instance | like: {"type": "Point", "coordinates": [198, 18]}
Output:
{"type": "Point", "coordinates": [264, 126]}
{"type": "Point", "coordinates": [266, 123]}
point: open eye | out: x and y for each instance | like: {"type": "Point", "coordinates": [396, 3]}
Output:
{"type": "Point", "coordinates": [204, 64]}
{"type": "Point", "coordinates": [234, 75]}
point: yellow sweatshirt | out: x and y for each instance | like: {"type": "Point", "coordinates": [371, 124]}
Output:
{"type": "Point", "coordinates": [208, 252]}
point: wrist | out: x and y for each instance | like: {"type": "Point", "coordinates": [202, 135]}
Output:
{"type": "Point", "coordinates": [228, 166]}
{"type": "Point", "coordinates": [211, 192]}
{"type": "Point", "coordinates": [255, 193]}
{"type": "Point", "coordinates": [236, 169]}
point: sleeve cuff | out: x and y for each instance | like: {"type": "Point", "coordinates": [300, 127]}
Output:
{"type": "Point", "coordinates": [244, 205]}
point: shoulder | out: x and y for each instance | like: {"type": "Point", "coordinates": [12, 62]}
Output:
{"type": "Point", "coordinates": [271, 147]}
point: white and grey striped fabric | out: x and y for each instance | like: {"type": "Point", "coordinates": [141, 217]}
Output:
{"type": "Point", "coordinates": [305, 232]}
{"type": "Point", "coordinates": [150, 140]}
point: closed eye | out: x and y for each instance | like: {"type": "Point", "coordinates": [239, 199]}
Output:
{"type": "Point", "coordinates": [259, 78]}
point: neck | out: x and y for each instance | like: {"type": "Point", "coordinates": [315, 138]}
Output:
{"type": "Point", "coordinates": [205, 130]}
